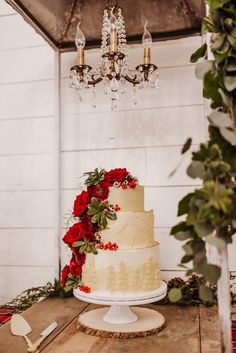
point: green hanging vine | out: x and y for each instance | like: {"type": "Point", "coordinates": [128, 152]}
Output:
{"type": "Point", "coordinates": [210, 211]}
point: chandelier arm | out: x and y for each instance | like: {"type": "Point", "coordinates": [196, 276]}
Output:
{"type": "Point", "coordinates": [95, 81]}
{"type": "Point", "coordinates": [134, 80]}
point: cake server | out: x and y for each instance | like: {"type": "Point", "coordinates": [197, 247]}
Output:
{"type": "Point", "coordinates": [20, 327]}
{"type": "Point", "coordinates": [33, 347]}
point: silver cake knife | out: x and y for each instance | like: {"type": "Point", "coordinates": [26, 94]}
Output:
{"type": "Point", "coordinates": [43, 335]}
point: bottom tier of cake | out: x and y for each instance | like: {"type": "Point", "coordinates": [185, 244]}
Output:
{"type": "Point", "coordinates": [123, 271]}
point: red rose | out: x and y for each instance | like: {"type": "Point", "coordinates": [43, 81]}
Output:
{"type": "Point", "coordinates": [80, 259]}
{"type": "Point", "coordinates": [100, 191]}
{"type": "Point", "coordinates": [64, 274]}
{"type": "Point", "coordinates": [75, 269]}
{"type": "Point", "coordinates": [75, 233]}
{"type": "Point", "coordinates": [118, 174]}
{"type": "Point", "coordinates": [88, 225]}
{"type": "Point", "coordinates": [81, 204]}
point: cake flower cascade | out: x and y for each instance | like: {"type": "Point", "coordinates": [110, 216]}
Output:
{"type": "Point", "coordinates": [91, 213]}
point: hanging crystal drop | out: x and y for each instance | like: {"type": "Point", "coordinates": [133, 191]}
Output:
{"type": "Point", "coordinates": [94, 97]}
{"type": "Point", "coordinates": [106, 85]}
{"type": "Point", "coordinates": [114, 84]}
{"type": "Point", "coordinates": [122, 85]}
{"type": "Point", "coordinates": [135, 101]}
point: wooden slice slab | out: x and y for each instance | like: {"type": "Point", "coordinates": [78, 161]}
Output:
{"type": "Point", "coordinates": [149, 322]}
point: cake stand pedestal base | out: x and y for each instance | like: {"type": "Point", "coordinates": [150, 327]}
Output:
{"type": "Point", "coordinates": [145, 322]}
{"type": "Point", "coordinates": [119, 320]}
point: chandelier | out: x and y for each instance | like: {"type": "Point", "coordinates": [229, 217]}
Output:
{"type": "Point", "coordinates": [113, 66]}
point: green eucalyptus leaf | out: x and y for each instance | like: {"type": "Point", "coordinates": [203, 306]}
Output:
{"type": "Point", "coordinates": [211, 85]}
{"type": "Point", "coordinates": [199, 53]}
{"type": "Point", "coordinates": [183, 207]}
{"type": "Point", "coordinates": [219, 243]}
{"type": "Point", "coordinates": [183, 235]}
{"type": "Point", "coordinates": [230, 83]}
{"type": "Point", "coordinates": [218, 40]}
{"type": "Point", "coordinates": [203, 229]}
{"type": "Point", "coordinates": [196, 170]}
{"type": "Point", "coordinates": [229, 135]}
{"type": "Point", "coordinates": [188, 249]}
{"type": "Point", "coordinates": [227, 99]}
{"type": "Point", "coordinates": [203, 67]}
{"type": "Point", "coordinates": [232, 41]}
{"type": "Point", "coordinates": [220, 119]}
{"type": "Point", "coordinates": [186, 146]}
{"type": "Point", "coordinates": [205, 294]}
{"type": "Point", "coordinates": [175, 295]}
{"type": "Point", "coordinates": [181, 226]}
{"type": "Point", "coordinates": [186, 258]}
{"type": "Point", "coordinates": [211, 273]}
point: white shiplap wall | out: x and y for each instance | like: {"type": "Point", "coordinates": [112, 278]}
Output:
{"type": "Point", "coordinates": [27, 235]}
{"type": "Point", "coordinates": [145, 139]}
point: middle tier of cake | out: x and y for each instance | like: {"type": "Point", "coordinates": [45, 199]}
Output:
{"type": "Point", "coordinates": [131, 230]}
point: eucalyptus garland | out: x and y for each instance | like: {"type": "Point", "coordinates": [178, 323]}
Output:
{"type": "Point", "coordinates": [210, 211]}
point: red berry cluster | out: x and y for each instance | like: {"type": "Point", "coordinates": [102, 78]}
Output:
{"type": "Point", "coordinates": [108, 246]}
{"type": "Point", "coordinates": [85, 289]}
{"type": "Point", "coordinates": [131, 184]}
{"type": "Point", "coordinates": [115, 207]}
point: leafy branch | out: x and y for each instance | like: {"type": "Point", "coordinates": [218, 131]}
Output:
{"type": "Point", "coordinates": [210, 211]}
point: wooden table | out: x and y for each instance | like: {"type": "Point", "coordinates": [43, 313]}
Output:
{"type": "Point", "coordinates": [187, 330]}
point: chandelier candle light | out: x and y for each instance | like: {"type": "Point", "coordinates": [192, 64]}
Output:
{"type": "Point", "coordinates": [113, 66]}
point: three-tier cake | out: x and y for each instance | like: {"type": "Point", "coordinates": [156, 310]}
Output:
{"type": "Point", "coordinates": [134, 266]}
{"type": "Point", "coordinates": [112, 241]}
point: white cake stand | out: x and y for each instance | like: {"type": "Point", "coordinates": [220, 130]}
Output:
{"type": "Point", "coordinates": [119, 316]}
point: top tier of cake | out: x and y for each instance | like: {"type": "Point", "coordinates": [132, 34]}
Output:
{"type": "Point", "coordinates": [134, 227]}
{"type": "Point", "coordinates": [128, 199]}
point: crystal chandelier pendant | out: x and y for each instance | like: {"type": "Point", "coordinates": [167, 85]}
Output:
{"type": "Point", "coordinates": [113, 67]}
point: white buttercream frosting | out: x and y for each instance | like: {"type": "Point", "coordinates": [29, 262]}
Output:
{"type": "Point", "coordinates": [125, 271]}
{"type": "Point", "coordinates": [128, 199]}
{"type": "Point", "coordinates": [130, 230]}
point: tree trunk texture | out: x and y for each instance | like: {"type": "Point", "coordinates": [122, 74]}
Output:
{"type": "Point", "coordinates": [224, 303]}
{"type": "Point", "coordinates": [220, 258]}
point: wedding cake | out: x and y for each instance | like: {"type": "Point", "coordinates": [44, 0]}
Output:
{"type": "Point", "coordinates": [122, 257]}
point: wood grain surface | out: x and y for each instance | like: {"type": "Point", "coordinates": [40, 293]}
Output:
{"type": "Point", "coordinates": [187, 330]}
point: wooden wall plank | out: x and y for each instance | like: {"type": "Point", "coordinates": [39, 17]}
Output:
{"type": "Point", "coordinates": [27, 247]}
{"type": "Point", "coordinates": [24, 172]}
{"type": "Point", "coordinates": [26, 136]}
{"type": "Point", "coordinates": [162, 161]}
{"type": "Point", "coordinates": [74, 164]}
{"type": "Point", "coordinates": [6, 9]}
{"type": "Point", "coordinates": [27, 209]}
{"type": "Point", "coordinates": [16, 279]}
{"type": "Point", "coordinates": [19, 34]}
{"type": "Point", "coordinates": [33, 99]}
{"type": "Point", "coordinates": [164, 202]}
{"type": "Point", "coordinates": [167, 126]}
{"type": "Point", "coordinates": [32, 64]}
